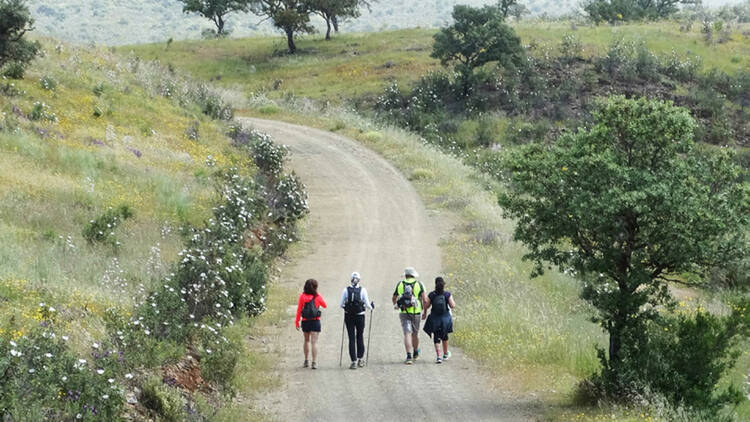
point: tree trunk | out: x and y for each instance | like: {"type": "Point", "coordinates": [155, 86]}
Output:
{"type": "Point", "coordinates": [290, 40]}
{"type": "Point", "coordinates": [328, 30]}
{"type": "Point", "coordinates": [335, 22]}
{"type": "Point", "coordinates": [219, 26]}
{"type": "Point", "coordinates": [615, 342]}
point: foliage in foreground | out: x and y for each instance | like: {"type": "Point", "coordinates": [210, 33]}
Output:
{"type": "Point", "coordinates": [628, 205]}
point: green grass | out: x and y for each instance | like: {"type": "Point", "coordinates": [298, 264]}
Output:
{"type": "Point", "coordinates": [358, 65]}
{"type": "Point", "coordinates": [345, 67]}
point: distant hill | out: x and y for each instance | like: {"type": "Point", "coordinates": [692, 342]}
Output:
{"type": "Point", "coordinates": [117, 22]}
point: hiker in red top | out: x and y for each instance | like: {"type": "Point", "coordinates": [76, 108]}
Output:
{"type": "Point", "coordinates": [308, 308]}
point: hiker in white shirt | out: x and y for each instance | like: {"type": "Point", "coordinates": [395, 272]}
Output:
{"type": "Point", "coordinates": [355, 302]}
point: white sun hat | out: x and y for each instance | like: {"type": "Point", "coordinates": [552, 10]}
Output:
{"type": "Point", "coordinates": [355, 276]}
{"type": "Point", "coordinates": [411, 272]}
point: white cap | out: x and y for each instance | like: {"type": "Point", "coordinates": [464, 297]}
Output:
{"type": "Point", "coordinates": [355, 275]}
{"type": "Point", "coordinates": [411, 272]}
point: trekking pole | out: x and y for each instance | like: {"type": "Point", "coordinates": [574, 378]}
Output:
{"type": "Point", "coordinates": [369, 335]}
{"type": "Point", "coordinates": [341, 353]}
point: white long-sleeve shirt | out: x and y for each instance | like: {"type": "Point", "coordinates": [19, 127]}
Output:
{"type": "Point", "coordinates": [362, 295]}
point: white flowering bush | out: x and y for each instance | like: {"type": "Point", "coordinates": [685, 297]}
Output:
{"type": "Point", "coordinates": [42, 379]}
{"type": "Point", "coordinates": [268, 156]}
{"type": "Point", "coordinates": [102, 228]}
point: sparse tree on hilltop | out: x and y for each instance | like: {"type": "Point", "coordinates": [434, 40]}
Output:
{"type": "Point", "coordinates": [629, 205]}
{"type": "Point", "coordinates": [15, 22]}
{"type": "Point", "coordinates": [506, 6]}
{"type": "Point", "coordinates": [215, 10]}
{"type": "Point", "coordinates": [627, 10]}
{"type": "Point", "coordinates": [477, 36]}
{"type": "Point", "coordinates": [334, 10]}
{"type": "Point", "coordinates": [290, 16]}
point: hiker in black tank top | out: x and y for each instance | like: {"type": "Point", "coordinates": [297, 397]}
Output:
{"type": "Point", "coordinates": [439, 323]}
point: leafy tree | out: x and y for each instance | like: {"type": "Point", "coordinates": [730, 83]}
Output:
{"type": "Point", "coordinates": [333, 10]}
{"type": "Point", "coordinates": [629, 205]}
{"type": "Point", "coordinates": [15, 21]}
{"type": "Point", "coordinates": [215, 10]}
{"type": "Point", "coordinates": [477, 36]}
{"type": "Point", "coordinates": [290, 16]}
{"type": "Point", "coordinates": [626, 10]}
{"type": "Point", "coordinates": [506, 6]}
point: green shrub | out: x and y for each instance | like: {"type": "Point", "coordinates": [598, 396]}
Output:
{"type": "Point", "coordinates": [218, 358]}
{"type": "Point", "coordinates": [98, 89]}
{"type": "Point", "coordinates": [696, 349]}
{"type": "Point", "coordinates": [102, 229]}
{"type": "Point", "coordinates": [164, 401]}
{"type": "Point", "coordinates": [14, 70]}
{"type": "Point", "coordinates": [40, 111]}
{"type": "Point", "coordinates": [421, 174]}
{"type": "Point", "coordinates": [48, 83]}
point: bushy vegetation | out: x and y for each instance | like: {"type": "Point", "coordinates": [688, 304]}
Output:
{"type": "Point", "coordinates": [102, 229]}
{"type": "Point", "coordinates": [561, 86]}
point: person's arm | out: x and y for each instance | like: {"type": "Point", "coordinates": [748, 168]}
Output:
{"type": "Point", "coordinates": [321, 302]}
{"type": "Point", "coordinates": [365, 298]}
{"type": "Point", "coordinates": [299, 312]}
{"type": "Point", "coordinates": [343, 298]}
{"type": "Point", "coordinates": [426, 303]}
{"type": "Point", "coordinates": [395, 295]}
{"type": "Point", "coordinates": [451, 302]}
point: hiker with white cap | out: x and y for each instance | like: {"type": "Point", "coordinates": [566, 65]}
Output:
{"type": "Point", "coordinates": [409, 299]}
{"type": "Point", "coordinates": [355, 302]}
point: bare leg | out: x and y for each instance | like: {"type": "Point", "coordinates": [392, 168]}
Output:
{"type": "Point", "coordinates": [407, 343]}
{"type": "Point", "coordinates": [306, 347]}
{"type": "Point", "coordinates": [314, 338]}
{"type": "Point", "coordinates": [415, 340]}
{"type": "Point", "coordinates": [437, 349]}
{"type": "Point", "coordinates": [445, 347]}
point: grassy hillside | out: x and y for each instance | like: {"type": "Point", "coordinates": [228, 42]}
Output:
{"type": "Point", "coordinates": [87, 133]}
{"type": "Point", "coordinates": [356, 65]}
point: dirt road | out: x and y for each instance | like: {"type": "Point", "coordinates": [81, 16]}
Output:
{"type": "Point", "coordinates": [366, 217]}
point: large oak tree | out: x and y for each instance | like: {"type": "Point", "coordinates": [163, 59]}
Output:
{"type": "Point", "coordinates": [629, 204]}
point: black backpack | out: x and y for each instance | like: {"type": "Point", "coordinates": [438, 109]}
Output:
{"type": "Point", "coordinates": [309, 310]}
{"type": "Point", "coordinates": [439, 304]}
{"type": "Point", "coordinates": [354, 304]}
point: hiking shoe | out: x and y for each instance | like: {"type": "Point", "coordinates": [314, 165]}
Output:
{"type": "Point", "coordinates": [353, 365]}
{"type": "Point", "coordinates": [438, 360]}
{"type": "Point", "coordinates": [416, 354]}
{"type": "Point", "coordinates": [314, 365]}
{"type": "Point", "coordinates": [447, 356]}
{"type": "Point", "coordinates": [361, 363]}
{"type": "Point", "coordinates": [306, 364]}
{"type": "Point", "coordinates": [409, 361]}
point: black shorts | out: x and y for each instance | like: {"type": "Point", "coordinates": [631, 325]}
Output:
{"type": "Point", "coordinates": [311, 325]}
